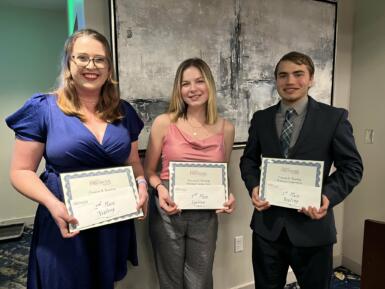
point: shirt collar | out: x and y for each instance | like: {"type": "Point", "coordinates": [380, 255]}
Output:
{"type": "Point", "coordinates": [299, 106]}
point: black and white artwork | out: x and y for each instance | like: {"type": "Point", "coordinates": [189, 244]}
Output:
{"type": "Point", "coordinates": [241, 40]}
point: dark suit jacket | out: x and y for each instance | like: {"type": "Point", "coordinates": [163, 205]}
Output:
{"type": "Point", "coordinates": [326, 135]}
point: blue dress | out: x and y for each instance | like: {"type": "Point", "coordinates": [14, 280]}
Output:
{"type": "Point", "coordinates": [97, 257]}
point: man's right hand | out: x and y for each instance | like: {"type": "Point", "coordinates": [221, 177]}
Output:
{"type": "Point", "coordinates": [257, 202]}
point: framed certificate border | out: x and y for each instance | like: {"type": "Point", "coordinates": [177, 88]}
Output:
{"type": "Point", "coordinates": [174, 165]}
{"type": "Point", "coordinates": [318, 165]}
{"type": "Point", "coordinates": [68, 195]}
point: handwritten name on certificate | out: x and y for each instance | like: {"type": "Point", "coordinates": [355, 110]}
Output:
{"type": "Point", "coordinates": [197, 185]}
{"type": "Point", "coordinates": [291, 183]}
{"type": "Point", "coordinates": [100, 197]}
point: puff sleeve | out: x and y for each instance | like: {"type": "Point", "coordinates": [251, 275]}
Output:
{"type": "Point", "coordinates": [132, 121]}
{"type": "Point", "coordinates": [29, 122]}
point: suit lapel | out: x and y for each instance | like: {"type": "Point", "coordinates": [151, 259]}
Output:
{"type": "Point", "coordinates": [273, 128]}
{"type": "Point", "coordinates": [308, 125]}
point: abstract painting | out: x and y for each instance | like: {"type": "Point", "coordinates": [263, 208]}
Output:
{"type": "Point", "coordinates": [241, 40]}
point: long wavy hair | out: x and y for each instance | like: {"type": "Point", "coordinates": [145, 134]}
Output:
{"type": "Point", "coordinates": [108, 106]}
{"type": "Point", "coordinates": [177, 107]}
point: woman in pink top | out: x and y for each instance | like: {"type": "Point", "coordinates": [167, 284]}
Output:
{"type": "Point", "coordinates": [184, 242]}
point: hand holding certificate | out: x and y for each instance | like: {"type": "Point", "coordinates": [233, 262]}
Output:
{"type": "Point", "coordinates": [100, 197]}
{"type": "Point", "coordinates": [291, 183]}
{"type": "Point", "coordinates": [198, 185]}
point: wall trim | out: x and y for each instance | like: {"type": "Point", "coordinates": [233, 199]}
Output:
{"type": "Point", "coordinates": [26, 220]}
{"type": "Point", "coordinates": [351, 265]}
{"type": "Point", "coordinates": [249, 285]}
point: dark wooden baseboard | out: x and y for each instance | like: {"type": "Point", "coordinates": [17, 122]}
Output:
{"type": "Point", "coordinates": [373, 256]}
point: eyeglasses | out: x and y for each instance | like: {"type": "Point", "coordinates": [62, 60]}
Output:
{"type": "Point", "coordinates": [83, 60]}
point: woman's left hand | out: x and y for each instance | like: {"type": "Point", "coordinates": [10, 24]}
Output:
{"type": "Point", "coordinates": [143, 200]}
{"type": "Point", "coordinates": [229, 206]}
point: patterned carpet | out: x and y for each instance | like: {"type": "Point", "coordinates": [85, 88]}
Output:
{"type": "Point", "coordinates": [341, 279]}
{"type": "Point", "coordinates": [14, 262]}
{"type": "Point", "coordinates": [345, 279]}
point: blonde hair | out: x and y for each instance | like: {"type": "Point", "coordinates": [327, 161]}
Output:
{"type": "Point", "coordinates": [177, 107]}
{"type": "Point", "coordinates": [108, 106]}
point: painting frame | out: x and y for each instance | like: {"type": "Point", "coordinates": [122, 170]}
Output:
{"type": "Point", "coordinates": [145, 103]}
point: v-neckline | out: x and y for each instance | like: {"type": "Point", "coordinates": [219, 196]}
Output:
{"type": "Point", "coordinates": [93, 135]}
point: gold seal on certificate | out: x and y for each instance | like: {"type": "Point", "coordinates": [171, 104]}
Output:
{"type": "Point", "coordinates": [100, 197]}
{"type": "Point", "coordinates": [291, 183]}
{"type": "Point", "coordinates": [198, 185]}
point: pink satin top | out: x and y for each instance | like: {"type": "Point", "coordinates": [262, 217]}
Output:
{"type": "Point", "coordinates": [182, 147]}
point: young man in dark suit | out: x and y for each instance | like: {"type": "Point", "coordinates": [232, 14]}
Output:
{"type": "Point", "coordinates": [302, 238]}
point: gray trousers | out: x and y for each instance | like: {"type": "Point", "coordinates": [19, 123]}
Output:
{"type": "Point", "coordinates": [184, 247]}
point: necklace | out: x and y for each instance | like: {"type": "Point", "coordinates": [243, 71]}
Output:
{"type": "Point", "coordinates": [195, 128]}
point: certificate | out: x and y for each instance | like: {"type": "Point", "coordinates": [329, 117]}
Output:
{"type": "Point", "coordinates": [100, 197]}
{"type": "Point", "coordinates": [291, 183]}
{"type": "Point", "coordinates": [197, 185]}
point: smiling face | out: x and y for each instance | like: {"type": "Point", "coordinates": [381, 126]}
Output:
{"type": "Point", "coordinates": [293, 81]}
{"type": "Point", "coordinates": [194, 89]}
{"type": "Point", "coordinates": [88, 79]}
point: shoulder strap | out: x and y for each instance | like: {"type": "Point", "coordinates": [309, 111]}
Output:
{"type": "Point", "coordinates": [223, 125]}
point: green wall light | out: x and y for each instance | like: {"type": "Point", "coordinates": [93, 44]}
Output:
{"type": "Point", "coordinates": [75, 14]}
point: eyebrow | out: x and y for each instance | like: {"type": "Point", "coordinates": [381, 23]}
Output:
{"type": "Point", "coordinates": [198, 78]}
{"type": "Point", "coordinates": [294, 72]}
{"type": "Point", "coordinates": [84, 53]}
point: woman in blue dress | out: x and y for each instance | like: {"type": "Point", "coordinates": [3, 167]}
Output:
{"type": "Point", "coordinates": [83, 125]}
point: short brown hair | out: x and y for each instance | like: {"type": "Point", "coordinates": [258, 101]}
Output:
{"type": "Point", "coordinates": [297, 58]}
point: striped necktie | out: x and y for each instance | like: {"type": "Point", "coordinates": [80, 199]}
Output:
{"type": "Point", "coordinates": [287, 131]}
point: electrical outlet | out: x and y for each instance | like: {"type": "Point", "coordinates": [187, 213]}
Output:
{"type": "Point", "coordinates": [369, 136]}
{"type": "Point", "coordinates": [238, 244]}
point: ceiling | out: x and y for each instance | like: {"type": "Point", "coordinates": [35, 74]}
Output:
{"type": "Point", "coordinates": [39, 4]}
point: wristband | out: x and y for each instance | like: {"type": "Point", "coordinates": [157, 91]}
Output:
{"type": "Point", "coordinates": [141, 181]}
{"type": "Point", "coordinates": [156, 187]}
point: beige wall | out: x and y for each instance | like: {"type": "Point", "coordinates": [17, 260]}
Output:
{"type": "Point", "coordinates": [97, 15]}
{"type": "Point", "coordinates": [367, 103]}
